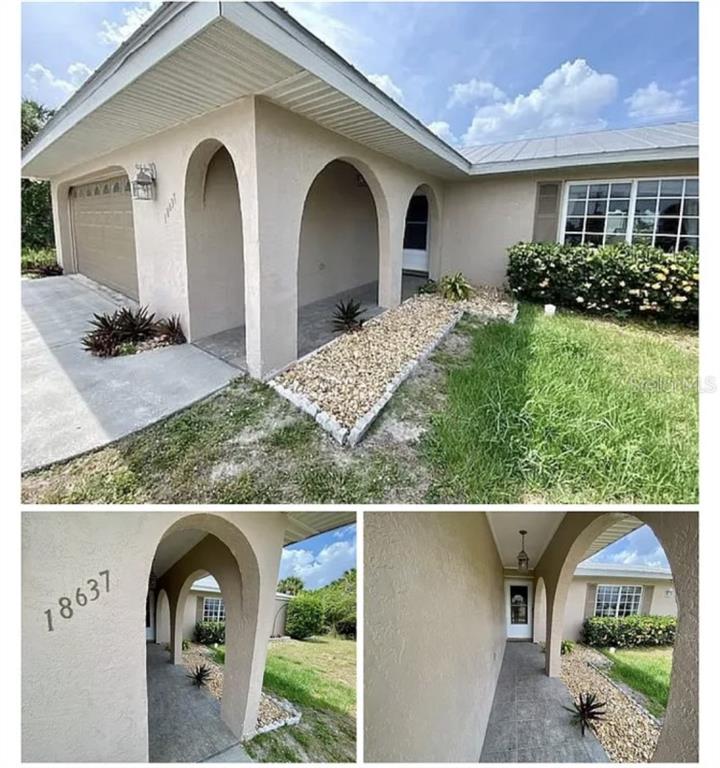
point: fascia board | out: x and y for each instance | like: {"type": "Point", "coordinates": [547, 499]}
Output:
{"type": "Point", "coordinates": [164, 32]}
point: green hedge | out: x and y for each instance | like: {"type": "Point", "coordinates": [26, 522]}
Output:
{"type": "Point", "coordinates": [612, 279]}
{"type": "Point", "coordinates": [210, 632]}
{"type": "Point", "coordinates": [629, 631]}
{"type": "Point", "coordinates": [305, 616]}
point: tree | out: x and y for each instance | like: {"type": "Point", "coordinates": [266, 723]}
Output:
{"type": "Point", "coordinates": [291, 585]}
{"type": "Point", "coordinates": [36, 216]}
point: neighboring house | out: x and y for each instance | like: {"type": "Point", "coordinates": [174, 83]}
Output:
{"type": "Point", "coordinates": [447, 604]}
{"type": "Point", "coordinates": [226, 166]}
{"type": "Point", "coordinates": [205, 603]}
{"type": "Point", "coordinates": [103, 592]}
{"type": "Point", "coordinates": [603, 589]}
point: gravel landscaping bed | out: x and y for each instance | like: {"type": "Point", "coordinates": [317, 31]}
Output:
{"type": "Point", "coordinates": [628, 734]}
{"type": "Point", "coordinates": [273, 711]}
{"type": "Point", "coordinates": [345, 384]}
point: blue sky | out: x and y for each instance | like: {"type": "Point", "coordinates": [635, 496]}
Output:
{"type": "Point", "coordinates": [321, 559]}
{"type": "Point", "coordinates": [473, 72]}
{"type": "Point", "coordinates": [640, 547]}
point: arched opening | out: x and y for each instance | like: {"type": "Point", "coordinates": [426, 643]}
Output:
{"type": "Point", "coordinates": [420, 239]}
{"type": "Point", "coordinates": [339, 251]}
{"type": "Point", "coordinates": [539, 612]}
{"type": "Point", "coordinates": [214, 244]}
{"type": "Point", "coordinates": [676, 532]}
{"type": "Point", "coordinates": [186, 723]}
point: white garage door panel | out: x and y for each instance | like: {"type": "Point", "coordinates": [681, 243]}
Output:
{"type": "Point", "coordinates": [104, 235]}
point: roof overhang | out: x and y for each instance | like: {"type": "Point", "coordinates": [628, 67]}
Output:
{"type": "Point", "coordinates": [601, 570]}
{"type": "Point", "coordinates": [191, 58]}
{"type": "Point", "coordinates": [590, 159]}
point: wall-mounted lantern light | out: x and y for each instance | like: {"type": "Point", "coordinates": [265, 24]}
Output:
{"type": "Point", "coordinates": [522, 559]}
{"type": "Point", "coordinates": [143, 185]}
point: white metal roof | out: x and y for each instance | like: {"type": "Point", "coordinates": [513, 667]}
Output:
{"type": "Point", "coordinates": [674, 140]}
{"type": "Point", "coordinates": [623, 571]}
{"type": "Point", "coordinates": [192, 57]}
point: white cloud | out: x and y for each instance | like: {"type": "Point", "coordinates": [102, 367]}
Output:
{"type": "Point", "coordinates": [442, 129]}
{"type": "Point", "coordinates": [37, 76]}
{"type": "Point", "coordinates": [474, 91]}
{"type": "Point", "coordinates": [332, 31]}
{"type": "Point", "coordinates": [653, 101]}
{"type": "Point", "coordinates": [385, 83]}
{"type": "Point", "coordinates": [319, 569]}
{"type": "Point", "coordinates": [114, 33]}
{"type": "Point", "coordinates": [570, 98]}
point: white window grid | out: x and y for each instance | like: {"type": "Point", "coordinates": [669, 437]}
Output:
{"type": "Point", "coordinates": [213, 609]}
{"type": "Point", "coordinates": [618, 600]}
{"type": "Point", "coordinates": [625, 213]}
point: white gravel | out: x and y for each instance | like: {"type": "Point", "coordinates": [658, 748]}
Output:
{"type": "Point", "coordinates": [346, 378]}
{"type": "Point", "coordinates": [628, 734]}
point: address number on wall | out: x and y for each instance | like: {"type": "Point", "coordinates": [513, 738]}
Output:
{"type": "Point", "coordinates": [88, 593]}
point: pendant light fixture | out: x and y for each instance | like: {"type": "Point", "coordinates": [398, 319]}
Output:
{"type": "Point", "coordinates": [522, 559]}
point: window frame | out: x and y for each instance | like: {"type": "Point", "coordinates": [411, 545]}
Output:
{"type": "Point", "coordinates": [633, 181]}
{"type": "Point", "coordinates": [215, 613]}
{"type": "Point", "coordinates": [620, 588]}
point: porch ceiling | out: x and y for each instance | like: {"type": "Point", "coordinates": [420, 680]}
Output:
{"type": "Point", "coordinates": [192, 58]}
{"type": "Point", "coordinates": [540, 527]}
{"type": "Point", "coordinates": [300, 526]}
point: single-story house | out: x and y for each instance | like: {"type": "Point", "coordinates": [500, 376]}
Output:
{"type": "Point", "coordinates": [226, 166]}
{"type": "Point", "coordinates": [205, 603]}
{"type": "Point", "coordinates": [456, 606]}
{"type": "Point", "coordinates": [608, 589]}
{"type": "Point", "coordinates": [104, 593]}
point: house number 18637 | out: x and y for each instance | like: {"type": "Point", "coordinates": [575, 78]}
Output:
{"type": "Point", "coordinates": [89, 593]}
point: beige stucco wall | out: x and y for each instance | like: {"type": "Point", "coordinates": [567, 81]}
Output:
{"type": "Point", "coordinates": [338, 236]}
{"type": "Point", "coordinates": [575, 608]}
{"type": "Point", "coordinates": [484, 216]}
{"type": "Point", "coordinates": [434, 635]}
{"type": "Point", "coordinates": [101, 715]}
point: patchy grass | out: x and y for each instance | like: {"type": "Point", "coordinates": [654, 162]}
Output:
{"type": "Point", "coordinates": [568, 409]}
{"type": "Point", "coordinates": [319, 676]}
{"type": "Point", "coordinates": [645, 670]}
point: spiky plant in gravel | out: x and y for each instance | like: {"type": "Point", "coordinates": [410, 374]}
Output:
{"type": "Point", "coordinates": [586, 711]}
{"type": "Point", "coordinates": [348, 316]}
{"type": "Point", "coordinates": [200, 675]}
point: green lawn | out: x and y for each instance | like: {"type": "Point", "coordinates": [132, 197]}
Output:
{"type": "Point", "coordinates": [568, 409]}
{"type": "Point", "coordinates": [319, 676]}
{"type": "Point", "coordinates": [647, 671]}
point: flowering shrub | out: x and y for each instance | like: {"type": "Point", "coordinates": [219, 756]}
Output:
{"type": "Point", "coordinates": [619, 279]}
{"type": "Point", "coordinates": [628, 631]}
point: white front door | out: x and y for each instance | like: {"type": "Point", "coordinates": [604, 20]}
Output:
{"type": "Point", "coordinates": [518, 607]}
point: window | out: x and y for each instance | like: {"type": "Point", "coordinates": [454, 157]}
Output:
{"type": "Point", "coordinates": [616, 600]}
{"type": "Point", "coordinates": [213, 609]}
{"type": "Point", "coordinates": [660, 212]}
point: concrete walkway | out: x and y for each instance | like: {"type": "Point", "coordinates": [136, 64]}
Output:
{"type": "Point", "coordinates": [527, 722]}
{"type": "Point", "coordinates": [184, 723]}
{"type": "Point", "coordinates": [73, 402]}
{"type": "Point", "coordinates": [314, 323]}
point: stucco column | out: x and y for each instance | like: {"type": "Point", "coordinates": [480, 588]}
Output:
{"type": "Point", "coordinates": [390, 242]}
{"type": "Point", "coordinates": [61, 224]}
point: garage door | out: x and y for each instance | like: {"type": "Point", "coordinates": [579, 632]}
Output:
{"type": "Point", "coordinates": [104, 235]}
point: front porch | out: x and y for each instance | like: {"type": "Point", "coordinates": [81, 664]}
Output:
{"type": "Point", "coordinates": [184, 722]}
{"type": "Point", "coordinates": [527, 722]}
{"type": "Point", "coordinates": [314, 322]}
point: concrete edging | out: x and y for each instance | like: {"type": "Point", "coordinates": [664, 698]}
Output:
{"type": "Point", "coordinates": [351, 436]}
{"type": "Point", "coordinates": [293, 716]}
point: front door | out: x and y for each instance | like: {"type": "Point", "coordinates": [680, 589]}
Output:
{"type": "Point", "coordinates": [415, 242]}
{"type": "Point", "coordinates": [518, 602]}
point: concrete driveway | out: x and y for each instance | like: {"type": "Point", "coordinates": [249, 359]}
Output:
{"type": "Point", "coordinates": [73, 402]}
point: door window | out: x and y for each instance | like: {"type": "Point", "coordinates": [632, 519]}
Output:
{"type": "Point", "coordinates": [518, 604]}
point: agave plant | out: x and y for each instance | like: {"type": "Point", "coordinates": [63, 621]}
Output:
{"type": "Point", "coordinates": [586, 711]}
{"type": "Point", "coordinates": [170, 329]}
{"type": "Point", "coordinates": [348, 316]}
{"type": "Point", "coordinates": [455, 287]}
{"type": "Point", "coordinates": [199, 675]}
{"type": "Point", "coordinates": [102, 339]}
{"type": "Point", "coordinates": [134, 325]}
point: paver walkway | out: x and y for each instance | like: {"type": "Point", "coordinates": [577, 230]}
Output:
{"type": "Point", "coordinates": [184, 722]}
{"type": "Point", "coordinates": [527, 721]}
